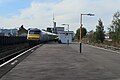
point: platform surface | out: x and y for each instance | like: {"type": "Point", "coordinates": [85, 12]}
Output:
{"type": "Point", "coordinates": [63, 62]}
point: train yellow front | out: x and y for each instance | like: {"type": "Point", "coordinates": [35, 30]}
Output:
{"type": "Point", "coordinates": [36, 36]}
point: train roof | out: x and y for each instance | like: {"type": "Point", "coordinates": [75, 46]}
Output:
{"type": "Point", "coordinates": [33, 29]}
{"type": "Point", "coordinates": [43, 31]}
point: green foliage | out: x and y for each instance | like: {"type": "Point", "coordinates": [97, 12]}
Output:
{"type": "Point", "coordinates": [114, 30]}
{"type": "Point", "coordinates": [99, 35]}
{"type": "Point", "coordinates": [84, 32]}
{"type": "Point", "coordinates": [90, 36]}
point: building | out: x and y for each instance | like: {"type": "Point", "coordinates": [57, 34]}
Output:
{"type": "Point", "coordinates": [107, 37]}
{"type": "Point", "coordinates": [54, 27]}
{"type": "Point", "coordinates": [66, 37]}
{"type": "Point", "coordinates": [8, 32]}
{"type": "Point", "coordinates": [49, 29]}
{"type": "Point", "coordinates": [55, 30]}
{"type": "Point", "coordinates": [22, 31]}
{"type": "Point", "coordinates": [0, 30]}
{"type": "Point", "coordinates": [14, 32]}
{"type": "Point", "coordinates": [59, 29]}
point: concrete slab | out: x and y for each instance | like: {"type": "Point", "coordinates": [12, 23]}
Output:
{"type": "Point", "coordinates": [59, 62]}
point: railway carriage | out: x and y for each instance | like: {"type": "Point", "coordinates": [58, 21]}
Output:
{"type": "Point", "coordinates": [36, 36]}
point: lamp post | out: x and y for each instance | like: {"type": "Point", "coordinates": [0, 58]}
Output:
{"type": "Point", "coordinates": [68, 33]}
{"type": "Point", "coordinates": [80, 41]}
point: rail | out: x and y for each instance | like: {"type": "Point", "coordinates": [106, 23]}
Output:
{"type": "Point", "coordinates": [8, 57]}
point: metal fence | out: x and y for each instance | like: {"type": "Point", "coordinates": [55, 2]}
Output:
{"type": "Point", "coordinates": [5, 40]}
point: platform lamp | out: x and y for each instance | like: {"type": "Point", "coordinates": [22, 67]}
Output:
{"type": "Point", "coordinates": [80, 41]}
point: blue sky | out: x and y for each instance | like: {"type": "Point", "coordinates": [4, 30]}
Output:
{"type": "Point", "coordinates": [38, 13]}
{"type": "Point", "coordinates": [8, 8]}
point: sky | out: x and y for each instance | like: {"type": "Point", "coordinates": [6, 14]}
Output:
{"type": "Point", "coordinates": [39, 13]}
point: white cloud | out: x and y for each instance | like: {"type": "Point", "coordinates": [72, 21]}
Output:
{"type": "Point", "coordinates": [37, 15]}
{"type": "Point", "coordinates": [67, 11]}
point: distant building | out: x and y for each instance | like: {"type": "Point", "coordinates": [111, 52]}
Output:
{"type": "Point", "coordinates": [107, 37]}
{"type": "Point", "coordinates": [14, 32]}
{"type": "Point", "coordinates": [65, 36]}
{"type": "Point", "coordinates": [54, 27]}
{"type": "Point", "coordinates": [0, 31]}
{"type": "Point", "coordinates": [50, 29]}
{"type": "Point", "coordinates": [59, 29]}
{"type": "Point", "coordinates": [8, 32]}
{"type": "Point", "coordinates": [22, 31]}
{"type": "Point", "coordinates": [1, 34]}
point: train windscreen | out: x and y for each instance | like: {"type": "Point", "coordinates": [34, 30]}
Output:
{"type": "Point", "coordinates": [34, 32]}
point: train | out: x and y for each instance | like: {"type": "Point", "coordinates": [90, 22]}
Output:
{"type": "Point", "coordinates": [37, 36]}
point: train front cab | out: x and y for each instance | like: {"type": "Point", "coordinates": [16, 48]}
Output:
{"type": "Point", "coordinates": [33, 37]}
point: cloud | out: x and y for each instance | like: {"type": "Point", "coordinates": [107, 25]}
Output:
{"type": "Point", "coordinates": [39, 14]}
{"type": "Point", "coordinates": [70, 10]}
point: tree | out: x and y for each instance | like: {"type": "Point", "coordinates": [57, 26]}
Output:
{"type": "Point", "coordinates": [99, 35]}
{"type": "Point", "coordinates": [90, 36]}
{"type": "Point", "coordinates": [114, 30]}
{"type": "Point", "coordinates": [84, 32]}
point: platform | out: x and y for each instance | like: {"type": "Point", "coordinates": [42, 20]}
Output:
{"type": "Point", "coordinates": [60, 62]}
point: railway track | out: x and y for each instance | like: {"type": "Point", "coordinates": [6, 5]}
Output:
{"type": "Point", "coordinates": [10, 61]}
{"type": "Point", "coordinates": [8, 57]}
{"type": "Point", "coordinates": [9, 51]}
